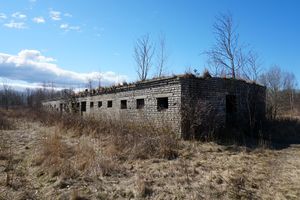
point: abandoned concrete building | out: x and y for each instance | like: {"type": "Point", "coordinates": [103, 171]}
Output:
{"type": "Point", "coordinates": [184, 102]}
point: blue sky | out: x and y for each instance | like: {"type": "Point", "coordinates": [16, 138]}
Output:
{"type": "Point", "coordinates": [76, 39]}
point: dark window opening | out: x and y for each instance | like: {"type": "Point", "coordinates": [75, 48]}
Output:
{"type": "Point", "coordinates": [123, 104]}
{"type": "Point", "coordinates": [75, 107]}
{"type": "Point", "coordinates": [140, 103]}
{"type": "Point", "coordinates": [61, 107]}
{"type": "Point", "coordinates": [83, 106]}
{"type": "Point", "coordinates": [109, 104]}
{"type": "Point", "coordinates": [162, 103]}
{"type": "Point", "coordinates": [91, 104]}
{"type": "Point", "coordinates": [231, 106]}
{"type": "Point", "coordinates": [65, 107]}
{"type": "Point", "coordinates": [99, 104]}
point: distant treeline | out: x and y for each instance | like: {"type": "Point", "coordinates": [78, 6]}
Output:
{"type": "Point", "coordinates": [30, 97]}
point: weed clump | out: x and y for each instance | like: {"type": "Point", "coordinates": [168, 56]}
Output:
{"type": "Point", "coordinates": [5, 123]}
{"type": "Point", "coordinates": [127, 139]}
{"type": "Point", "coordinates": [54, 156]}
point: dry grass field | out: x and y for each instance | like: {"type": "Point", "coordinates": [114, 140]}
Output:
{"type": "Point", "coordinates": [43, 157]}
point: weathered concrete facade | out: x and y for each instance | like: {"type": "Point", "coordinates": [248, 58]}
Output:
{"type": "Point", "coordinates": [234, 103]}
{"type": "Point", "coordinates": [163, 101]}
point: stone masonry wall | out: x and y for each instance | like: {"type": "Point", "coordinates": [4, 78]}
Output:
{"type": "Point", "coordinates": [181, 92]}
{"type": "Point", "coordinates": [149, 91]}
{"type": "Point", "coordinates": [248, 96]}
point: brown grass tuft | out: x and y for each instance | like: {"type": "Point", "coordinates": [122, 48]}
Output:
{"type": "Point", "coordinates": [87, 161]}
{"type": "Point", "coordinates": [54, 156]}
{"type": "Point", "coordinates": [76, 196]}
{"type": "Point", "coordinates": [142, 187]}
{"type": "Point", "coordinates": [5, 123]}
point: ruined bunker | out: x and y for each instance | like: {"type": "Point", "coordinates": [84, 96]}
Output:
{"type": "Point", "coordinates": [185, 102]}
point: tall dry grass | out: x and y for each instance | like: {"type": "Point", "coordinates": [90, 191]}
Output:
{"type": "Point", "coordinates": [5, 123]}
{"type": "Point", "coordinates": [58, 158]}
{"type": "Point", "coordinates": [126, 139]}
{"type": "Point", "coordinates": [54, 155]}
{"type": "Point", "coordinates": [120, 140]}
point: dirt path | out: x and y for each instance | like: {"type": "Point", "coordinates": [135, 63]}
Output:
{"type": "Point", "coordinates": [286, 181]}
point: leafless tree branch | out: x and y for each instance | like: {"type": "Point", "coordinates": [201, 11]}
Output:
{"type": "Point", "coordinates": [162, 56]}
{"type": "Point", "coordinates": [143, 53]}
{"type": "Point", "coordinates": [226, 55]}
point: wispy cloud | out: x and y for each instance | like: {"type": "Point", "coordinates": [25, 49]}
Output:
{"type": "Point", "coordinates": [15, 25]}
{"type": "Point", "coordinates": [55, 15]}
{"type": "Point", "coordinates": [67, 27]}
{"type": "Point", "coordinates": [33, 67]}
{"type": "Point", "coordinates": [19, 15]}
{"type": "Point", "coordinates": [32, 1]}
{"type": "Point", "coordinates": [39, 20]}
{"type": "Point", "coordinates": [68, 15]}
{"type": "Point", "coordinates": [3, 16]}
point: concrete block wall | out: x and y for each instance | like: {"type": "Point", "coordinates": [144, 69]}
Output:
{"type": "Point", "coordinates": [53, 105]}
{"type": "Point", "coordinates": [150, 92]}
{"type": "Point", "coordinates": [180, 91]}
{"type": "Point", "coordinates": [215, 90]}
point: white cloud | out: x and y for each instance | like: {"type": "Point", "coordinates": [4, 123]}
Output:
{"type": "Point", "coordinates": [19, 15]}
{"type": "Point", "coordinates": [32, 67]}
{"type": "Point", "coordinates": [55, 15]}
{"type": "Point", "coordinates": [15, 25]}
{"type": "Point", "coordinates": [22, 85]}
{"type": "Point", "coordinates": [67, 27]}
{"type": "Point", "coordinates": [3, 16]}
{"type": "Point", "coordinates": [39, 20]}
{"type": "Point", "coordinates": [68, 15]}
{"type": "Point", "coordinates": [64, 26]}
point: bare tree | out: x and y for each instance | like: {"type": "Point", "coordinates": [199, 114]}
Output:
{"type": "Point", "coordinates": [143, 53]}
{"type": "Point", "coordinates": [226, 55]}
{"type": "Point", "coordinates": [52, 89]}
{"type": "Point", "coordinates": [6, 94]}
{"type": "Point", "coordinates": [200, 119]}
{"type": "Point", "coordinates": [273, 80]}
{"type": "Point", "coordinates": [289, 85]}
{"type": "Point", "coordinates": [162, 56]}
{"type": "Point", "coordinates": [89, 84]}
{"type": "Point", "coordinates": [70, 103]}
{"type": "Point", "coordinates": [99, 77]}
{"type": "Point", "coordinates": [252, 68]}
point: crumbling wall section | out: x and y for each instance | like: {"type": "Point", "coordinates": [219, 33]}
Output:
{"type": "Point", "coordinates": [140, 103]}
{"type": "Point", "coordinates": [187, 104]}
{"type": "Point", "coordinates": [233, 102]}
{"type": "Point", "coordinates": [54, 105]}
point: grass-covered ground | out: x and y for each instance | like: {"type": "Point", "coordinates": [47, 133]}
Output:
{"type": "Point", "coordinates": [46, 158]}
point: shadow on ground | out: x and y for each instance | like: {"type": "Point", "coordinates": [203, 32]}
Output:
{"type": "Point", "coordinates": [275, 134]}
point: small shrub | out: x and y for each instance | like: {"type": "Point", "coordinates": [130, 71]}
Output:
{"type": "Point", "coordinates": [206, 74]}
{"type": "Point", "coordinates": [5, 123]}
{"type": "Point", "coordinates": [238, 188]}
{"type": "Point", "coordinates": [54, 156]}
{"type": "Point", "coordinates": [142, 187]}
